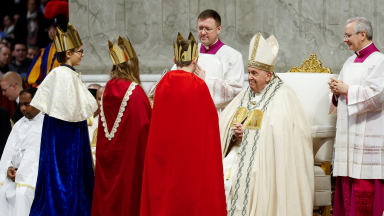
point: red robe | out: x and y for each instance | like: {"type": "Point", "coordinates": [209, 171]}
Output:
{"type": "Point", "coordinates": [120, 162]}
{"type": "Point", "coordinates": [183, 173]}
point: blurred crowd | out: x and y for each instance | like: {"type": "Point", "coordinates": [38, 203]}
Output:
{"type": "Point", "coordinates": [26, 51]}
{"type": "Point", "coordinates": [24, 30]}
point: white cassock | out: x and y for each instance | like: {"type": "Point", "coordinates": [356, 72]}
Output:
{"type": "Point", "coordinates": [22, 151]}
{"type": "Point", "coordinates": [224, 74]}
{"type": "Point", "coordinates": [360, 124]}
{"type": "Point", "coordinates": [271, 167]}
{"type": "Point", "coordinates": [92, 130]}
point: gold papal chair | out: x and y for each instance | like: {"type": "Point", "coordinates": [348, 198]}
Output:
{"type": "Point", "coordinates": [309, 81]}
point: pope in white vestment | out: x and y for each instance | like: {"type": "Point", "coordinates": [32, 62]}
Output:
{"type": "Point", "coordinates": [22, 153]}
{"type": "Point", "coordinates": [266, 143]}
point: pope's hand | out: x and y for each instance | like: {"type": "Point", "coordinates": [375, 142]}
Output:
{"type": "Point", "coordinates": [11, 173]}
{"type": "Point", "coordinates": [338, 87]}
{"type": "Point", "coordinates": [200, 72]}
{"type": "Point", "coordinates": [238, 130]}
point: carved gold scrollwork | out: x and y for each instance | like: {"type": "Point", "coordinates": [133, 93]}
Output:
{"type": "Point", "coordinates": [311, 65]}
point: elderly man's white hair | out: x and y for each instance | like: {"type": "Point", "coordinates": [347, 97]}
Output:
{"type": "Point", "coordinates": [362, 24]}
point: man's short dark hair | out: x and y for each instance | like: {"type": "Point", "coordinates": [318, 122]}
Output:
{"type": "Point", "coordinates": [19, 43]}
{"type": "Point", "coordinates": [34, 48]}
{"type": "Point", "coordinates": [210, 14]}
{"type": "Point", "coordinates": [30, 90]}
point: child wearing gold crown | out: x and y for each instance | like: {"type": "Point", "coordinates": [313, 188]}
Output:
{"type": "Point", "coordinates": [65, 179]}
{"type": "Point", "coordinates": [125, 114]}
{"type": "Point", "coordinates": [183, 169]}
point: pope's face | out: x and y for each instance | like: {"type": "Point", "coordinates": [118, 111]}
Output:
{"type": "Point", "coordinates": [208, 31]}
{"type": "Point", "coordinates": [28, 111]}
{"type": "Point", "coordinates": [353, 39]}
{"type": "Point", "coordinates": [258, 79]}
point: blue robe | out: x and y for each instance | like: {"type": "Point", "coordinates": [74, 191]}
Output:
{"type": "Point", "coordinates": [65, 179]}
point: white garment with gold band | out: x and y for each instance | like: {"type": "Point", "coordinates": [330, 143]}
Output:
{"type": "Point", "coordinates": [360, 124]}
{"type": "Point", "coordinates": [64, 96]}
{"type": "Point", "coordinates": [93, 137]}
{"type": "Point", "coordinates": [281, 180]}
{"type": "Point", "coordinates": [93, 127]}
{"type": "Point", "coordinates": [224, 74]}
{"type": "Point", "coordinates": [22, 151]}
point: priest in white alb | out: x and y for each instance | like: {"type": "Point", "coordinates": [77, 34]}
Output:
{"type": "Point", "coordinates": [219, 65]}
{"type": "Point", "coordinates": [20, 161]}
{"type": "Point", "coordinates": [358, 100]}
{"type": "Point", "coordinates": [266, 143]}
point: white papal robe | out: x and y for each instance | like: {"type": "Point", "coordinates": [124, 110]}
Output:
{"type": "Point", "coordinates": [21, 151]}
{"type": "Point", "coordinates": [360, 123]}
{"type": "Point", "coordinates": [272, 175]}
{"type": "Point", "coordinates": [224, 74]}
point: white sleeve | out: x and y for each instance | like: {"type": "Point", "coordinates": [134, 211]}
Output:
{"type": "Point", "coordinates": [368, 98]}
{"type": "Point", "coordinates": [224, 89]}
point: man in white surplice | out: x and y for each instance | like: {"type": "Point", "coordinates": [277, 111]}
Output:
{"type": "Point", "coordinates": [266, 143]}
{"type": "Point", "coordinates": [219, 65]}
{"type": "Point", "coordinates": [358, 99]}
{"type": "Point", "coordinates": [20, 161]}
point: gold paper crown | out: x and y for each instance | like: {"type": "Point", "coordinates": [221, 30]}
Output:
{"type": "Point", "coordinates": [66, 41]}
{"type": "Point", "coordinates": [119, 55]}
{"type": "Point", "coordinates": [182, 55]}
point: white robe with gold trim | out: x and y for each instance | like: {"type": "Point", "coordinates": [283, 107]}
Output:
{"type": "Point", "coordinates": [282, 177]}
{"type": "Point", "coordinates": [360, 123]}
{"type": "Point", "coordinates": [22, 150]}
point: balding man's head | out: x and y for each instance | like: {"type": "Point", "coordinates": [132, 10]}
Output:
{"type": "Point", "coordinates": [94, 86]}
{"type": "Point", "coordinates": [11, 85]}
{"type": "Point", "coordinates": [5, 57]}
